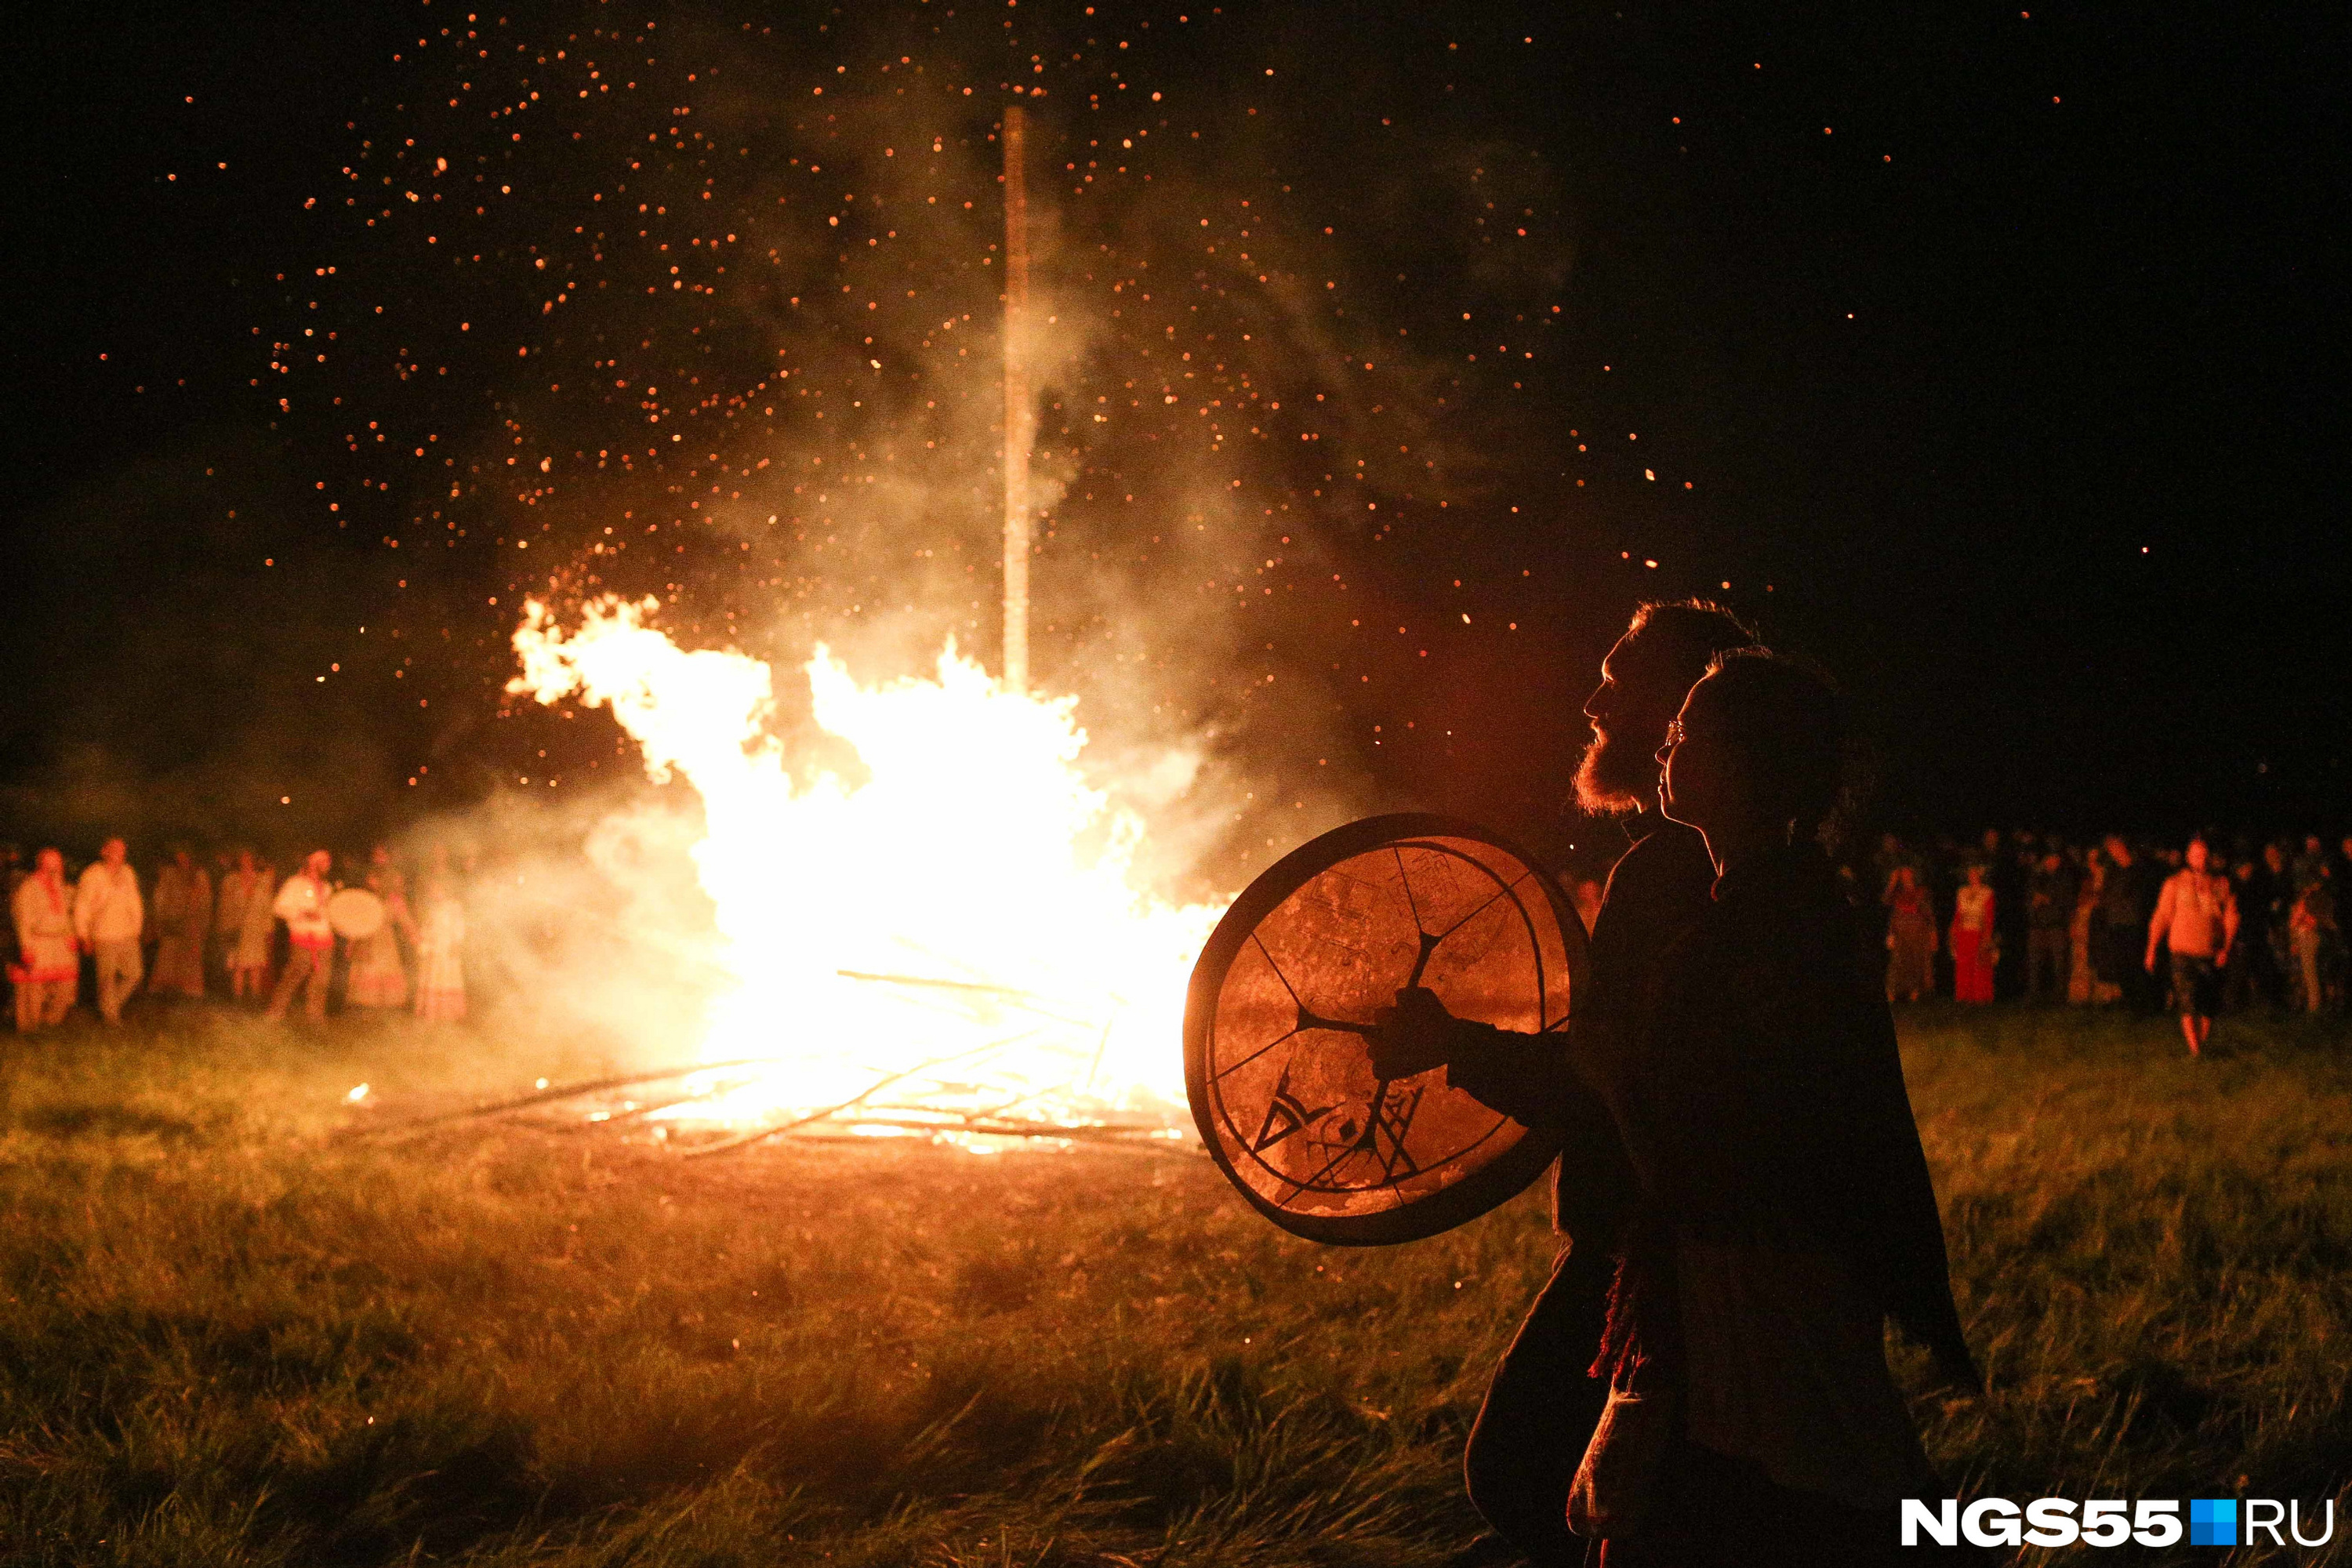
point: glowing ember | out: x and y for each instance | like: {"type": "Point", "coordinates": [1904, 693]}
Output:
{"type": "Point", "coordinates": [952, 937]}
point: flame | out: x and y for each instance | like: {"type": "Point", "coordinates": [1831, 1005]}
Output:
{"type": "Point", "coordinates": [955, 935]}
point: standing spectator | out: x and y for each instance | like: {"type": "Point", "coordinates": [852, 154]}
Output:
{"type": "Point", "coordinates": [2197, 919]}
{"type": "Point", "coordinates": [2123, 910]}
{"type": "Point", "coordinates": [1910, 935]}
{"type": "Point", "coordinates": [184, 914]}
{"type": "Point", "coordinates": [47, 970]}
{"type": "Point", "coordinates": [2310, 865]}
{"type": "Point", "coordinates": [248, 961]}
{"type": "Point", "coordinates": [2050, 912]}
{"type": "Point", "coordinates": [440, 946]}
{"type": "Point", "coordinates": [1976, 938]}
{"type": "Point", "coordinates": [2278, 939]}
{"type": "Point", "coordinates": [12, 875]}
{"type": "Point", "coordinates": [2311, 931]}
{"type": "Point", "coordinates": [109, 916]}
{"type": "Point", "coordinates": [229, 897]}
{"type": "Point", "coordinates": [2084, 985]}
{"type": "Point", "coordinates": [301, 904]}
{"type": "Point", "coordinates": [2011, 861]}
{"type": "Point", "coordinates": [378, 978]}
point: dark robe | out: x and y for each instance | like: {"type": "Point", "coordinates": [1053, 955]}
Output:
{"type": "Point", "coordinates": [1774, 1081]}
{"type": "Point", "coordinates": [1543, 1404]}
{"type": "Point", "coordinates": [1770, 1109]}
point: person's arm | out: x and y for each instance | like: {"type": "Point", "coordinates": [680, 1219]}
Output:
{"type": "Point", "coordinates": [1524, 1077]}
{"type": "Point", "coordinates": [2229, 922]}
{"type": "Point", "coordinates": [1875, 1190]}
{"type": "Point", "coordinates": [86, 901]}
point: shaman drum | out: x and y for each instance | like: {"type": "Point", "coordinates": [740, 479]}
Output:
{"type": "Point", "coordinates": [355, 913]}
{"type": "Point", "coordinates": [1277, 1061]}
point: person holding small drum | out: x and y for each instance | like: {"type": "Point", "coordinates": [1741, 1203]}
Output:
{"type": "Point", "coordinates": [1782, 1206]}
{"type": "Point", "coordinates": [301, 904]}
{"type": "Point", "coordinates": [1541, 1407]}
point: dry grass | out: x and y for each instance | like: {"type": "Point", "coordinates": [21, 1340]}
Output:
{"type": "Point", "coordinates": [234, 1333]}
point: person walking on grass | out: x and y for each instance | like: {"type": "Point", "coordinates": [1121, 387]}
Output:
{"type": "Point", "coordinates": [301, 904]}
{"type": "Point", "coordinates": [108, 918]}
{"type": "Point", "coordinates": [47, 971]}
{"type": "Point", "coordinates": [2196, 921]}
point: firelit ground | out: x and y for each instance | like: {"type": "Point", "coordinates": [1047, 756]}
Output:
{"type": "Point", "coordinates": [242, 1325]}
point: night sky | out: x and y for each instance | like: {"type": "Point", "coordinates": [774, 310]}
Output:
{"type": "Point", "coordinates": [1985, 354]}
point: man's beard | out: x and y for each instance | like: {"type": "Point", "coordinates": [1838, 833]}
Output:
{"type": "Point", "coordinates": [1612, 781]}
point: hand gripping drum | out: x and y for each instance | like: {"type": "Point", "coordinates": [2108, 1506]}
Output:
{"type": "Point", "coordinates": [1275, 1056]}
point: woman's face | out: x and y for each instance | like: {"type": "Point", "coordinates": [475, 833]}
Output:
{"type": "Point", "coordinates": [1695, 784]}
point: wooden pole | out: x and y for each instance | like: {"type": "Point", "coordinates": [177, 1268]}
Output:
{"type": "Point", "coordinates": [1020, 417]}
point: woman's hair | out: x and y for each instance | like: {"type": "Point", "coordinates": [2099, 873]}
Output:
{"type": "Point", "coordinates": [1787, 723]}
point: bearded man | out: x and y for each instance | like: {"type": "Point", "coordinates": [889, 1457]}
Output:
{"type": "Point", "coordinates": [1544, 1402]}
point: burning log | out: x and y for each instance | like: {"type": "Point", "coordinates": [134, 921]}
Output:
{"type": "Point", "coordinates": [830, 1112]}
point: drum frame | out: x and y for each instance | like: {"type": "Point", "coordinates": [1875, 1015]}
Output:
{"type": "Point", "coordinates": [1484, 1189]}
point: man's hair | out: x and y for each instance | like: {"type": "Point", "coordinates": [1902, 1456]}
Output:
{"type": "Point", "coordinates": [1668, 644]}
{"type": "Point", "coordinates": [1687, 633]}
{"type": "Point", "coordinates": [1785, 719]}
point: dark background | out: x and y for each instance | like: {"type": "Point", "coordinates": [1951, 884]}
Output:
{"type": "Point", "coordinates": [2003, 347]}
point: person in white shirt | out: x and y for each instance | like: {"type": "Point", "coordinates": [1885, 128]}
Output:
{"type": "Point", "coordinates": [48, 967]}
{"type": "Point", "coordinates": [109, 916]}
{"type": "Point", "coordinates": [301, 904]}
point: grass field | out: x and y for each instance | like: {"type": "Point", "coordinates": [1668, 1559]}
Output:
{"type": "Point", "coordinates": [234, 1331]}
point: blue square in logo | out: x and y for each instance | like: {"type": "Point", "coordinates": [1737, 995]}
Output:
{"type": "Point", "coordinates": [2213, 1521]}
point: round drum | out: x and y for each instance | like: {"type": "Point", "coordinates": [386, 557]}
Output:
{"type": "Point", "coordinates": [1276, 1057]}
{"type": "Point", "coordinates": [355, 913]}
